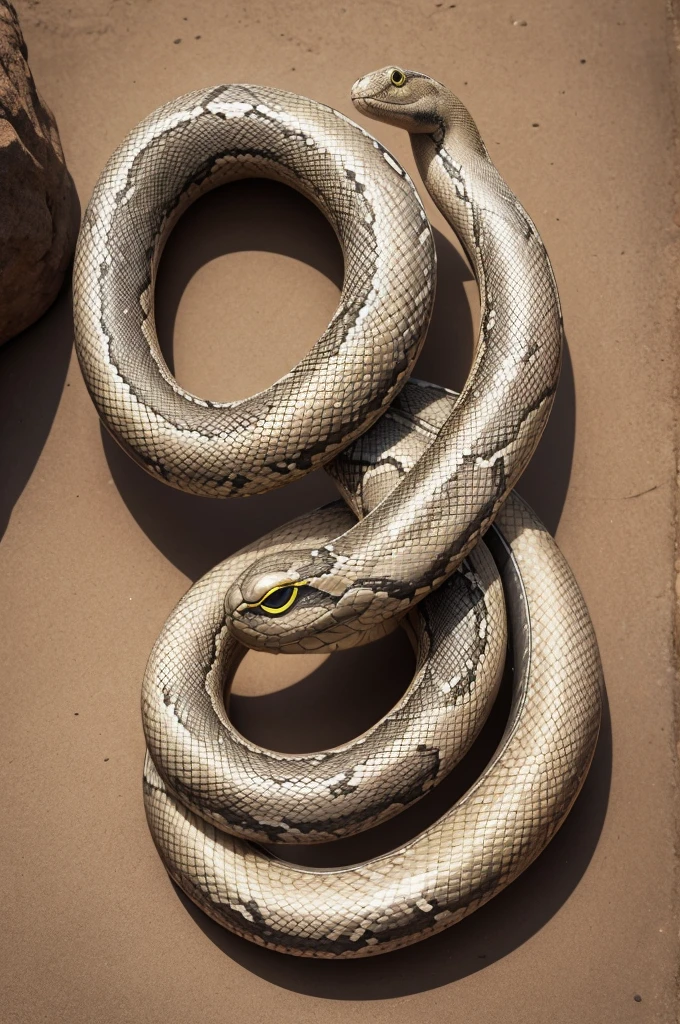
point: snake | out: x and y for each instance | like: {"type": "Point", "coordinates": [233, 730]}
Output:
{"type": "Point", "coordinates": [424, 474]}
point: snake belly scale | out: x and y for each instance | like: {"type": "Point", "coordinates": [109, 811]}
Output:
{"type": "Point", "coordinates": [423, 473]}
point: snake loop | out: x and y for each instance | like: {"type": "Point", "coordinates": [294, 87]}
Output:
{"type": "Point", "coordinates": [424, 475]}
{"type": "Point", "coordinates": [181, 151]}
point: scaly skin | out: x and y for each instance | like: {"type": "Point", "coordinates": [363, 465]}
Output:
{"type": "Point", "coordinates": [425, 479]}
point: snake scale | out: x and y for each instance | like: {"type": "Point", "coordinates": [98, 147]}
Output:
{"type": "Point", "coordinates": [424, 474]}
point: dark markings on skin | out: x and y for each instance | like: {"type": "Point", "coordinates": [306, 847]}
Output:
{"type": "Point", "coordinates": [353, 178]}
{"type": "Point", "coordinates": [342, 787]}
{"type": "Point", "coordinates": [423, 117]}
{"type": "Point", "coordinates": [338, 438]}
{"type": "Point", "coordinates": [384, 150]}
{"type": "Point", "coordinates": [240, 481]}
{"type": "Point", "coordinates": [276, 938]}
{"type": "Point", "coordinates": [397, 589]}
{"type": "Point", "coordinates": [393, 162]}
{"type": "Point", "coordinates": [455, 173]}
{"type": "Point", "coordinates": [531, 351]}
{"type": "Point", "coordinates": [387, 460]}
{"type": "Point", "coordinates": [318, 565]}
{"type": "Point", "coordinates": [453, 170]}
{"type": "Point", "coordinates": [414, 776]}
{"type": "Point", "coordinates": [480, 612]}
{"type": "Point", "coordinates": [405, 589]}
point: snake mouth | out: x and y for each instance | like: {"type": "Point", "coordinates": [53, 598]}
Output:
{"type": "Point", "coordinates": [361, 90]}
{"type": "Point", "coordinates": [373, 105]}
{"type": "Point", "coordinates": [374, 100]}
{"type": "Point", "coordinates": [366, 91]}
{"type": "Point", "coordinates": [364, 102]}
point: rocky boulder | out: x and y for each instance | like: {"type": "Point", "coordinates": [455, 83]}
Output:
{"type": "Point", "coordinates": [39, 210]}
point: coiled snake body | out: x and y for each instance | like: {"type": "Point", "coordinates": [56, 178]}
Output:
{"type": "Point", "coordinates": [424, 474]}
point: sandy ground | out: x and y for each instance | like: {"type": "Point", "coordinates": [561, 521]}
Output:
{"type": "Point", "coordinates": [575, 100]}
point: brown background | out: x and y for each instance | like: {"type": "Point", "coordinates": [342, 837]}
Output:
{"type": "Point", "coordinates": [575, 101]}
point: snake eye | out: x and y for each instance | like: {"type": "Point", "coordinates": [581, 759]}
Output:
{"type": "Point", "coordinates": [279, 599]}
{"type": "Point", "coordinates": [398, 78]}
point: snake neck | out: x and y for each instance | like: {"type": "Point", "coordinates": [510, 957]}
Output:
{"type": "Point", "coordinates": [422, 531]}
{"type": "Point", "coordinates": [470, 193]}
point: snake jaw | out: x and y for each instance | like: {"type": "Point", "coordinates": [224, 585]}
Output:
{"type": "Point", "coordinates": [311, 627]}
{"type": "Point", "coordinates": [326, 613]}
{"type": "Point", "coordinates": [323, 626]}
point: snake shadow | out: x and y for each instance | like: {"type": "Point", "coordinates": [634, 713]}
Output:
{"type": "Point", "coordinates": [351, 689]}
{"type": "Point", "coordinates": [33, 369]}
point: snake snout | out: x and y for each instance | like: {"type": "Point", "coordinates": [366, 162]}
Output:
{"type": "Point", "coordinates": [233, 599]}
{"type": "Point", "coordinates": [364, 88]}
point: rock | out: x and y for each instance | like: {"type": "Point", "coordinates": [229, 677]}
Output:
{"type": "Point", "coordinates": [39, 209]}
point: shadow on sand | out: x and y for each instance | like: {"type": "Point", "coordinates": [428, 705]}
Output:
{"type": "Point", "coordinates": [33, 368]}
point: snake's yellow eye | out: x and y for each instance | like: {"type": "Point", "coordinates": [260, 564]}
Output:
{"type": "Point", "coordinates": [398, 78]}
{"type": "Point", "coordinates": [279, 599]}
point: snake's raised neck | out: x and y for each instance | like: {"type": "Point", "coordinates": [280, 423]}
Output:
{"type": "Point", "coordinates": [345, 592]}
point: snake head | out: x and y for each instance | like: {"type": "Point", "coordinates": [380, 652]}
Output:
{"type": "Point", "coordinates": [405, 99]}
{"type": "Point", "coordinates": [290, 602]}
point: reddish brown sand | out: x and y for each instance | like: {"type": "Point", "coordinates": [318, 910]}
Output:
{"type": "Point", "coordinates": [576, 104]}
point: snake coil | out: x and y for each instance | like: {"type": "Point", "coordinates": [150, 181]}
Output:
{"type": "Point", "coordinates": [424, 475]}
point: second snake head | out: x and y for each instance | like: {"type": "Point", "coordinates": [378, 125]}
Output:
{"type": "Point", "coordinates": [299, 601]}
